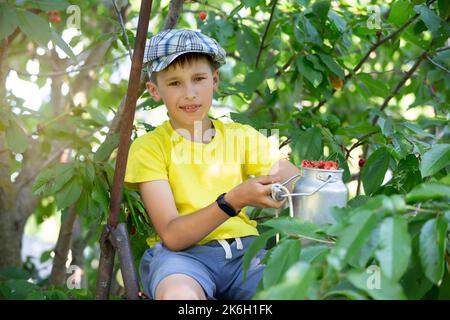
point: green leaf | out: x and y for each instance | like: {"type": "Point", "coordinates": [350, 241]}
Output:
{"type": "Point", "coordinates": [100, 195]}
{"type": "Point", "coordinates": [65, 174]}
{"type": "Point", "coordinates": [444, 8]}
{"type": "Point", "coordinates": [376, 87]}
{"type": "Point", "coordinates": [46, 255]}
{"type": "Point", "coordinates": [90, 171]}
{"type": "Point", "coordinates": [294, 286]}
{"type": "Point", "coordinates": [309, 145]}
{"type": "Point", "coordinates": [416, 129]}
{"type": "Point", "coordinates": [68, 194]}
{"type": "Point", "coordinates": [247, 45]}
{"type": "Point", "coordinates": [428, 191]}
{"type": "Point", "coordinates": [435, 159]}
{"type": "Point", "coordinates": [107, 147]}
{"type": "Point", "coordinates": [431, 20]}
{"type": "Point", "coordinates": [432, 249]}
{"type": "Point", "coordinates": [338, 21]}
{"type": "Point", "coordinates": [374, 169]}
{"type": "Point", "coordinates": [13, 273]}
{"type": "Point", "coordinates": [414, 282]}
{"type": "Point", "coordinates": [395, 247]}
{"type": "Point", "coordinates": [35, 27]}
{"type": "Point", "coordinates": [53, 178]}
{"type": "Point", "coordinates": [253, 80]}
{"type": "Point", "coordinates": [387, 290]}
{"type": "Point", "coordinates": [16, 137]}
{"type": "Point", "coordinates": [283, 256]}
{"type": "Point", "coordinates": [16, 289]}
{"type": "Point", "coordinates": [312, 253]}
{"type": "Point", "coordinates": [367, 251]}
{"type": "Point", "coordinates": [8, 20]}
{"type": "Point", "coordinates": [313, 76]}
{"type": "Point", "coordinates": [305, 32]}
{"type": "Point", "coordinates": [332, 65]}
{"type": "Point", "coordinates": [400, 12]}
{"type": "Point", "coordinates": [97, 116]}
{"type": "Point", "coordinates": [321, 8]}
{"type": "Point", "coordinates": [352, 238]}
{"type": "Point", "coordinates": [48, 5]}
{"type": "Point", "coordinates": [294, 226]}
{"type": "Point", "coordinates": [258, 244]}
{"type": "Point", "coordinates": [57, 40]}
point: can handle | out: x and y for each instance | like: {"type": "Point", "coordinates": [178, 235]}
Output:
{"type": "Point", "coordinates": [309, 193]}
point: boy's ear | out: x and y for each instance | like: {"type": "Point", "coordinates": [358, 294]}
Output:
{"type": "Point", "coordinates": [216, 79]}
{"type": "Point", "coordinates": [153, 90]}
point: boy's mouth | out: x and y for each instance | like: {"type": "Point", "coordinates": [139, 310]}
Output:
{"type": "Point", "coordinates": [190, 108]}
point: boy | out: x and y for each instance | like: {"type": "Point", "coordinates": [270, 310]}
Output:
{"type": "Point", "coordinates": [191, 177]}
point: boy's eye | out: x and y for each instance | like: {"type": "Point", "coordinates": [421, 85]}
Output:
{"type": "Point", "coordinates": [199, 78]}
{"type": "Point", "coordinates": [173, 83]}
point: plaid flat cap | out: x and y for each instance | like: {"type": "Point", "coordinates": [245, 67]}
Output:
{"type": "Point", "coordinates": [167, 45]}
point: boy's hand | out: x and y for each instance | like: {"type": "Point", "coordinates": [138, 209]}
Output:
{"type": "Point", "coordinates": [255, 192]}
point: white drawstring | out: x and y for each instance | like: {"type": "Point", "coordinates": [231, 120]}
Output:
{"type": "Point", "coordinates": [226, 246]}
{"type": "Point", "coordinates": [239, 245]}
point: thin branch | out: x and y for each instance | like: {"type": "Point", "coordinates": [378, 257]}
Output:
{"type": "Point", "coordinates": [372, 48]}
{"type": "Point", "coordinates": [286, 65]}
{"type": "Point", "coordinates": [443, 49]}
{"type": "Point", "coordinates": [176, 6]}
{"type": "Point", "coordinates": [358, 143]}
{"type": "Point", "coordinates": [437, 64]}
{"type": "Point", "coordinates": [122, 26]}
{"type": "Point", "coordinates": [401, 83]}
{"type": "Point", "coordinates": [258, 56]}
{"type": "Point", "coordinates": [44, 165]}
{"type": "Point", "coordinates": [60, 73]}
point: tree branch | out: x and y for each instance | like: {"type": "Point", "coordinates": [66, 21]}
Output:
{"type": "Point", "coordinates": [360, 141]}
{"type": "Point", "coordinates": [176, 6]}
{"type": "Point", "coordinates": [372, 48]}
{"type": "Point", "coordinates": [258, 56]}
{"type": "Point", "coordinates": [171, 21]}
{"type": "Point", "coordinates": [400, 84]}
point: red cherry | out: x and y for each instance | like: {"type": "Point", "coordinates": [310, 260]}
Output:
{"type": "Point", "coordinates": [54, 16]}
{"type": "Point", "coordinates": [202, 15]}
{"type": "Point", "coordinates": [361, 163]}
{"type": "Point", "coordinates": [433, 88]}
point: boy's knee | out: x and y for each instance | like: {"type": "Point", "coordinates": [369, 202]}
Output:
{"type": "Point", "coordinates": [181, 292]}
{"type": "Point", "coordinates": [179, 287]}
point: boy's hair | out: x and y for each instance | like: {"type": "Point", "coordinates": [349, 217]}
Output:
{"type": "Point", "coordinates": [184, 59]}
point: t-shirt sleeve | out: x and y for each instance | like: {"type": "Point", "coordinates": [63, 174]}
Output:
{"type": "Point", "coordinates": [261, 153]}
{"type": "Point", "coordinates": [146, 162]}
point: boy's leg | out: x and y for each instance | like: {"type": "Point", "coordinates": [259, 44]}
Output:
{"type": "Point", "coordinates": [167, 274]}
{"type": "Point", "coordinates": [232, 286]}
{"type": "Point", "coordinates": [245, 290]}
{"type": "Point", "coordinates": [179, 287]}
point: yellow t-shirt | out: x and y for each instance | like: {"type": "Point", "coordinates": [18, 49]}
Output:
{"type": "Point", "coordinates": [198, 173]}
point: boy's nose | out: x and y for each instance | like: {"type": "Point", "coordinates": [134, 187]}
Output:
{"type": "Point", "coordinates": [190, 92]}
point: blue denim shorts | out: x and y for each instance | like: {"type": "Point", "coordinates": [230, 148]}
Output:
{"type": "Point", "coordinates": [216, 266]}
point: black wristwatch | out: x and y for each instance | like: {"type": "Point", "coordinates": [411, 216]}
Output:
{"type": "Point", "coordinates": [226, 207]}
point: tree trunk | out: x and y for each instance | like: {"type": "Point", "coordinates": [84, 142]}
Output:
{"type": "Point", "coordinates": [58, 274]}
{"type": "Point", "coordinates": [11, 230]}
{"type": "Point", "coordinates": [78, 245]}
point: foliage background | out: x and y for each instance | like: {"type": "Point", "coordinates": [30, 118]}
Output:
{"type": "Point", "coordinates": [342, 80]}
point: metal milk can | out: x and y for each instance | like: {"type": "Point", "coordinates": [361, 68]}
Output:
{"type": "Point", "coordinates": [315, 194]}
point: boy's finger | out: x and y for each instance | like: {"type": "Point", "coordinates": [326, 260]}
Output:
{"type": "Point", "coordinates": [268, 179]}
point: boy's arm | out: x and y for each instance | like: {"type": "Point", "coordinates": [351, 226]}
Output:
{"type": "Point", "coordinates": [180, 232]}
{"type": "Point", "coordinates": [285, 169]}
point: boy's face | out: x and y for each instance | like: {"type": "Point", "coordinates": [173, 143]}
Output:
{"type": "Point", "coordinates": [187, 92]}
